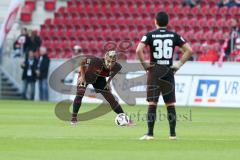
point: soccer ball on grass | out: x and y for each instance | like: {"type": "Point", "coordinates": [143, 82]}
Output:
{"type": "Point", "coordinates": [122, 119]}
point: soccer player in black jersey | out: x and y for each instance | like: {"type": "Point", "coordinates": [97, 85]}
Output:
{"type": "Point", "coordinates": [94, 70]}
{"type": "Point", "coordinates": [161, 70]}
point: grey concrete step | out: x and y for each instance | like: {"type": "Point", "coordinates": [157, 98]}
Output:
{"type": "Point", "coordinates": [11, 97]}
{"type": "Point", "coordinates": [8, 90]}
{"type": "Point", "coordinates": [6, 84]}
{"type": "Point", "coordinates": [4, 78]}
{"type": "Point", "coordinates": [10, 93]}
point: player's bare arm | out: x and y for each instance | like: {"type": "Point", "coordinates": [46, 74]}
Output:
{"type": "Point", "coordinates": [187, 53]}
{"type": "Point", "coordinates": [114, 72]}
{"type": "Point", "coordinates": [140, 54]}
{"type": "Point", "coordinates": [82, 80]}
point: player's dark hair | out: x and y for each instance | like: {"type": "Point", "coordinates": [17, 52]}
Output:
{"type": "Point", "coordinates": [162, 19]}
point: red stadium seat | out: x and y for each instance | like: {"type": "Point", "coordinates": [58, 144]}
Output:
{"type": "Point", "coordinates": [43, 33]}
{"type": "Point", "coordinates": [204, 4]}
{"type": "Point", "coordinates": [139, 3]}
{"type": "Point", "coordinates": [180, 12]}
{"type": "Point", "coordinates": [203, 23]}
{"type": "Point", "coordinates": [234, 12]}
{"type": "Point", "coordinates": [95, 21]}
{"type": "Point", "coordinates": [71, 3]}
{"type": "Point", "coordinates": [188, 35]}
{"type": "Point", "coordinates": [208, 36]}
{"type": "Point", "coordinates": [221, 23]}
{"type": "Point", "coordinates": [219, 36]}
{"type": "Point", "coordinates": [79, 3]}
{"type": "Point", "coordinates": [223, 10]}
{"type": "Point", "coordinates": [205, 10]}
{"type": "Point", "coordinates": [57, 15]}
{"type": "Point", "coordinates": [195, 11]}
{"type": "Point", "coordinates": [71, 10]}
{"type": "Point", "coordinates": [213, 10]}
{"type": "Point", "coordinates": [50, 5]}
{"type": "Point", "coordinates": [196, 48]}
{"type": "Point", "coordinates": [62, 10]}
{"type": "Point", "coordinates": [58, 21]}
{"type": "Point", "coordinates": [26, 14]}
{"type": "Point", "coordinates": [48, 21]}
{"type": "Point", "coordinates": [193, 22]}
{"type": "Point", "coordinates": [123, 9]}
{"type": "Point", "coordinates": [185, 12]}
{"type": "Point", "coordinates": [212, 24]}
{"type": "Point", "coordinates": [31, 4]}
{"type": "Point", "coordinates": [66, 44]}
{"type": "Point", "coordinates": [52, 32]}
{"type": "Point", "coordinates": [199, 36]}
{"type": "Point", "coordinates": [212, 3]}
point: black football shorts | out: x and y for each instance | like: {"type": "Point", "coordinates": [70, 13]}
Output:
{"type": "Point", "coordinates": [161, 81]}
{"type": "Point", "coordinates": [99, 85]}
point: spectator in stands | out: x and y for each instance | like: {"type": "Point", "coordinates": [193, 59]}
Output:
{"type": "Point", "coordinates": [233, 41]}
{"type": "Point", "coordinates": [227, 3]}
{"type": "Point", "coordinates": [77, 50]}
{"type": "Point", "coordinates": [21, 45]}
{"type": "Point", "coordinates": [191, 3]}
{"type": "Point", "coordinates": [209, 53]}
{"type": "Point", "coordinates": [26, 45]}
{"type": "Point", "coordinates": [237, 3]}
{"type": "Point", "coordinates": [42, 74]}
{"type": "Point", "coordinates": [35, 41]}
{"type": "Point", "coordinates": [16, 52]}
{"type": "Point", "coordinates": [223, 48]}
{"type": "Point", "coordinates": [29, 67]}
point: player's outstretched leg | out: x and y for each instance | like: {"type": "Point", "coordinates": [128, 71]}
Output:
{"type": "Point", "coordinates": [171, 114]}
{"type": "Point", "coordinates": [151, 118]}
{"type": "Point", "coordinates": [116, 107]}
{"type": "Point", "coordinates": [113, 103]}
{"type": "Point", "coordinates": [76, 106]}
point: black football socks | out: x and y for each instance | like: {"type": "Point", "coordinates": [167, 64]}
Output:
{"type": "Point", "coordinates": [151, 118]}
{"type": "Point", "coordinates": [172, 119]}
{"type": "Point", "coordinates": [76, 105]}
{"type": "Point", "coordinates": [113, 103]}
{"type": "Point", "coordinates": [117, 109]}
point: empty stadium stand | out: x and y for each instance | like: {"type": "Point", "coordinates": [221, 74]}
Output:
{"type": "Point", "coordinates": [31, 5]}
{"type": "Point", "coordinates": [91, 23]}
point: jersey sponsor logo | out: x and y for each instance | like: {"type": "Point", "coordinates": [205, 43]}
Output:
{"type": "Point", "coordinates": [162, 35]}
{"type": "Point", "coordinates": [207, 90]}
{"type": "Point", "coordinates": [144, 38]}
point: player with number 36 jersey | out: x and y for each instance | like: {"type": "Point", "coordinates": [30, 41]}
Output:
{"type": "Point", "coordinates": [162, 43]}
{"type": "Point", "coordinates": [161, 70]}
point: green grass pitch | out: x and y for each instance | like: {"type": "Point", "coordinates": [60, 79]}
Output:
{"type": "Point", "coordinates": [31, 131]}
